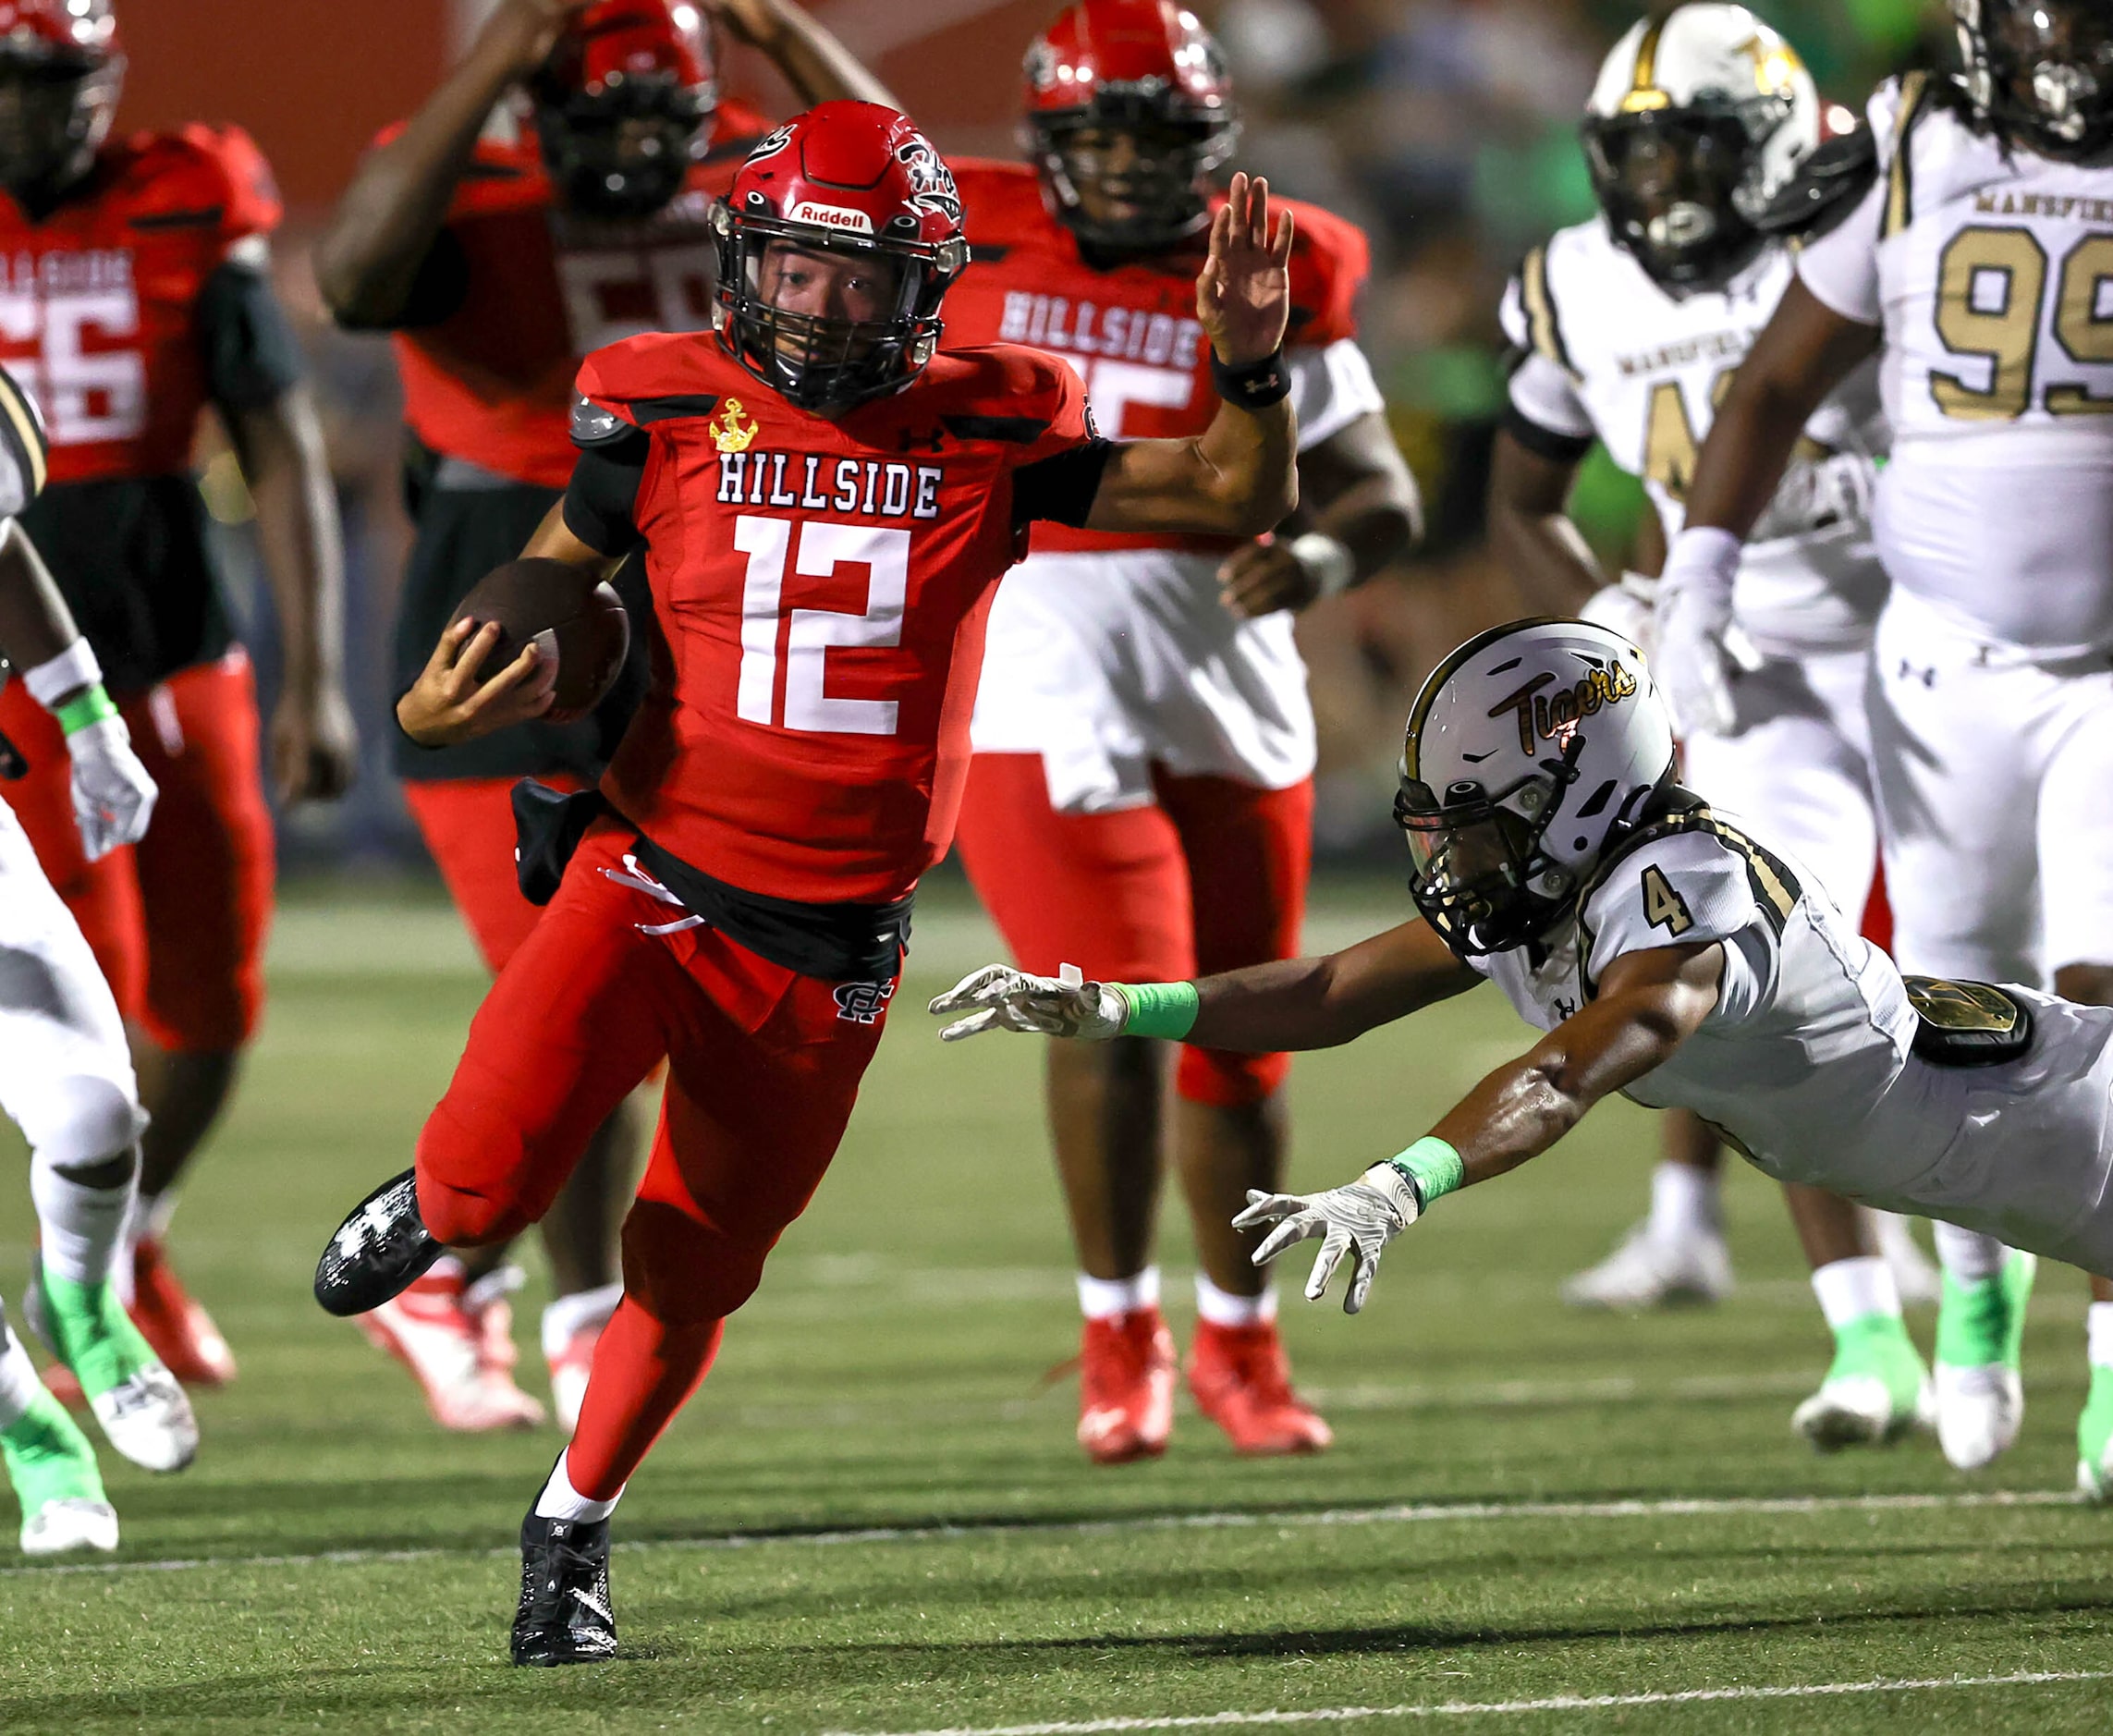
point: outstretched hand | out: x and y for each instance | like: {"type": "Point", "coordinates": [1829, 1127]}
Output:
{"type": "Point", "coordinates": [1359, 1220]}
{"type": "Point", "coordinates": [1243, 293]}
{"type": "Point", "coordinates": [999, 997]}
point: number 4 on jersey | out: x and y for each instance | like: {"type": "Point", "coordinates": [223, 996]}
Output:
{"type": "Point", "coordinates": [1662, 907]}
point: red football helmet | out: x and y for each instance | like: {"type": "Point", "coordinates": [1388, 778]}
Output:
{"type": "Point", "coordinates": [621, 103]}
{"type": "Point", "coordinates": [845, 181]}
{"type": "Point", "coordinates": [61, 69]}
{"type": "Point", "coordinates": [1129, 109]}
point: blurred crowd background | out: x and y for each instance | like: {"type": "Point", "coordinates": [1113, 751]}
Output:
{"type": "Point", "coordinates": [1447, 128]}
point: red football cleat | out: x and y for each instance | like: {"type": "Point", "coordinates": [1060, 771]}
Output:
{"type": "Point", "coordinates": [1126, 1387]}
{"type": "Point", "coordinates": [568, 1372]}
{"type": "Point", "coordinates": [1241, 1382]}
{"type": "Point", "coordinates": [461, 1351]}
{"type": "Point", "coordinates": [174, 1323]}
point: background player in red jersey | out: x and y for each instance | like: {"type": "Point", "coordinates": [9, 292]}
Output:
{"type": "Point", "coordinates": [1141, 788]}
{"type": "Point", "coordinates": [137, 293]}
{"type": "Point", "coordinates": [500, 262]}
{"type": "Point", "coordinates": [825, 508]}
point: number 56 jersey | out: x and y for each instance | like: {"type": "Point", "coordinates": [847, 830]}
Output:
{"type": "Point", "coordinates": [1605, 353]}
{"type": "Point", "coordinates": [1991, 272]}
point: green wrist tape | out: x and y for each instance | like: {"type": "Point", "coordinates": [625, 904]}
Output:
{"type": "Point", "coordinates": [90, 705]}
{"type": "Point", "coordinates": [1160, 1010]}
{"type": "Point", "coordinates": [1434, 1169]}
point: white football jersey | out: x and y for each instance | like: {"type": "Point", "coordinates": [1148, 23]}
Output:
{"type": "Point", "coordinates": [1805, 1063]}
{"type": "Point", "coordinates": [1609, 354]}
{"type": "Point", "coordinates": [1991, 272]}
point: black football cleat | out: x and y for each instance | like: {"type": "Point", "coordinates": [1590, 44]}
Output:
{"type": "Point", "coordinates": [376, 1252]}
{"type": "Point", "coordinates": [565, 1615]}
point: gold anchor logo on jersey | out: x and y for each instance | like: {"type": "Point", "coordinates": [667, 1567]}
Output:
{"type": "Point", "coordinates": [732, 428]}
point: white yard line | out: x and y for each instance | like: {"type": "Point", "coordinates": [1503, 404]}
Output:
{"type": "Point", "coordinates": [1558, 1703]}
{"type": "Point", "coordinates": [1689, 1507]}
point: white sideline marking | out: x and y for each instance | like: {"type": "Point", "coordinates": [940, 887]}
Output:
{"type": "Point", "coordinates": [1683, 1506]}
{"type": "Point", "coordinates": [1559, 1702]}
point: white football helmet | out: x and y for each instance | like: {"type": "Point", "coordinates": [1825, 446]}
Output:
{"type": "Point", "coordinates": [1699, 118]}
{"type": "Point", "coordinates": [1532, 750]}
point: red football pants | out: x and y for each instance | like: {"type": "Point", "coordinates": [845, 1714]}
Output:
{"type": "Point", "coordinates": [764, 1066]}
{"type": "Point", "coordinates": [1209, 877]}
{"type": "Point", "coordinates": [468, 824]}
{"type": "Point", "coordinates": [176, 921]}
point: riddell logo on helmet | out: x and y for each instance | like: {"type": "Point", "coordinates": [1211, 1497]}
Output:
{"type": "Point", "coordinates": [1554, 717]}
{"type": "Point", "coordinates": [830, 217]}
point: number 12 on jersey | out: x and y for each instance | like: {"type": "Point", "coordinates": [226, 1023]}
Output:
{"type": "Point", "coordinates": [816, 548]}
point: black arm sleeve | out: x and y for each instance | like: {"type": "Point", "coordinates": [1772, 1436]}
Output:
{"type": "Point", "coordinates": [252, 355]}
{"type": "Point", "coordinates": [1061, 487]}
{"type": "Point", "coordinates": [602, 495]}
{"type": "Point", "coordinates": [1544, 443]}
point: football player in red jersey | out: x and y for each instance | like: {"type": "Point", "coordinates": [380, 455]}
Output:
{"type": "Point", "coordinates": [136, 293]}
{"type": "Point", "coordinates": [824, 507]}
{"type": "Point", "coordinates": [1142, 786]}
{"type": "Point", "coordinates": [500, 264]}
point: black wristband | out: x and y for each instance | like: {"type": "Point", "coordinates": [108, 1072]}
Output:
{"type": "Point", "coordinates": [1255, 385]}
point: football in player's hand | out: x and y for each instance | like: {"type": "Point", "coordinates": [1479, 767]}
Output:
{"type": "Point", "coordinates": [585, 632]}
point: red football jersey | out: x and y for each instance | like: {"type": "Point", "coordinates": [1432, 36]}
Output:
{"type": "Point", "coordinates": [1130, 332]}
{"type": "Point", "coordinates": [493, 381]}
{"type": "Point", "coordinates": [820, 589]}
{"type": "Point", "coordinates": [99, 303]}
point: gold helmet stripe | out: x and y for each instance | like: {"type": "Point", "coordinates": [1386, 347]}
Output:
{"type": "Point", "coordinates": [1643, 92]}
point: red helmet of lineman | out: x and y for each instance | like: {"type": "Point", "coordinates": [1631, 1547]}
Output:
{"type": "Point", "coordinates": [846, 183]}
{"type": "Point", "coordinates": [61, 69]}
{"type": "Point", "coordinates": [620, 105]}
{"type": "Point", "coordinates": [1129, 109]}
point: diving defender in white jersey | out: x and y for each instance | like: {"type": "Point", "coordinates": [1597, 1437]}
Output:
{"type": "Point", "coordinates": [65, 1075]}
{"type": "Point", "coordinates": [1664, 954]}
{"type": "Point", "coordinates": [1978, 265]}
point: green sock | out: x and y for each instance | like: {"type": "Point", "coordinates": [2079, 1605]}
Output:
{"type": "Point", "coordinates": [1984, 1323]}
{"type": "Point", "coordinates": [2095, 1427]}
{"type": "Point", "coordinates": [1876, 1346]}
{"type": "Point", "coordinates": [91, 1332]}
{"type": "Point", "coordinates": [48, 1458]}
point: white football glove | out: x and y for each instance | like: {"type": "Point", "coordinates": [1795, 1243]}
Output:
{"type": "Point", "coordinates": [1628, 607]}
{"type": "Point", "coordinates": [1006, 999]}
{"type": "Point", "coordinates": [1359, 1220]}
{"type": "Point", "coordinates": [113, 795]}
{"type": "Point", "coordinates": [1701, 648]}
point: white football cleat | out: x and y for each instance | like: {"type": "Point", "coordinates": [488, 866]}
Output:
{"type": "Point", "coordinates": [147, 1420]}
{"type": "Point", "coordinates": [459, 1348]}
{"type": "Point", "coordinates": [1649, 1271]}
{"type": "Point", "coordinates": [73, 1522]}
{"type": "Point", "coordinates": [1875, 1391]}
{"type": "Point", "coordinates": [1979, 1412]}
{"type": "Point", "coordinates": [568, 1372]}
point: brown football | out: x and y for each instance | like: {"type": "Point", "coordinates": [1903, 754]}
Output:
{"type": "Point", "coordinates": [587, 632]}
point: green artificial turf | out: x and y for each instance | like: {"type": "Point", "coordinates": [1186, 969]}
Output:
{"type": "Point", "coordinates": [1491, 1528]}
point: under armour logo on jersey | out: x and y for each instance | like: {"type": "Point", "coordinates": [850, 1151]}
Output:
{"type": "Point", "coordinates": [1565, 1008]}
{"type": "Point", "coordinates": [862, 1003]}
{"type": "Point", "coordinates": [1909, 673]}
{"type": "Point", "coordinates": [929, 440]}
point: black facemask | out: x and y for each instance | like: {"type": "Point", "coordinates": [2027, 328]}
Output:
{"type": "Point", "coordinates": [623, 152]}
{"type": "Point", "coordinates": [1666, 179]}
{"type": "Point", "coordinates": [51, 118]}
{"type": "Point", "coordinates": [2050, 74]}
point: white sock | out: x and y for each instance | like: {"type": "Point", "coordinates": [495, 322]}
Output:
{"type": "Point", "coordinates": [575, 1312]}
{"type": "Point", "coordinates": [1222, 1308]}
{"type": "Point", "coordinates": [1967, 1257]}
{"type": "Point", "coordinates": [1683, 1202]}
{"type": "Point", "coordinates": [559, 1499]}
{"type": "Point", "coordinates": [19, 1388]}
{"type": "Point", "coordinates": [78, 1228]}
{"type": "Point", "coordinates": [1103, 1298]}
{"type": "Point", "coordinates": [2098, 1334]}
{"type": "Point", "coordinates": [1849, 1289]}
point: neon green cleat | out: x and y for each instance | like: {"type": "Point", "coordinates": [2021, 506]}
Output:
{"type": "Point", "coordinates": [53, 1469]}
{"type": "Point", "coordinates": [1875, 1390]}
{"type": "Point", "coordinates": [1981, 1335]}
{"type": "Point", "coordinates": [2094, 1439]}
{"type": "Point", "coordinates": [142, 1412]}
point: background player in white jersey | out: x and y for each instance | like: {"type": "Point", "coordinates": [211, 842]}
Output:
{"type": "Point", "coordinates": [65, 1075]}
{"type": "Point", "coordinates": [1627, 329]}
{"type": "Point", "coordinates": [1666, 955]}
{"type": "Point", "coordinates": [1979, 264]}
{"type": "Point", "coordinates": [1141, 797]}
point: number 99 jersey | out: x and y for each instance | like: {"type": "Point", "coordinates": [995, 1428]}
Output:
{"type": "Point", "coordinates": [1605, 353]}
{"type": "Point", "coordinates": [1991, 270]}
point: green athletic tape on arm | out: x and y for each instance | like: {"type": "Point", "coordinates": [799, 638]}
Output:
{"type": "Point", "coordinates": [1160, 1010]}
{"type": "Point", "coordinates": [1434, 1169]}
{"type": "Point", "coordinates": [90, 705]}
